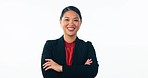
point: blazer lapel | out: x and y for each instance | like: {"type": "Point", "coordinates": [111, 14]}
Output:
{"type": "Point", "coordinates": [61, 51]}
{"type": "Point", "coordinates": [77, 56]}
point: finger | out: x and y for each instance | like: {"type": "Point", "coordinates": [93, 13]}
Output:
{"type": "Point", "coordinates": [91, 62]}
{"type": "Point", "coordinates": [88, 62]}
{"type": "Point", "coordinates": [44, 64]}
{"type": "Point", "coordinates": [48, 59]}
{"type": "Point", "coordinates": [48, 68]}
{"type": "Point", "coordinates": [90, 59]}
{"type": "Point", "coordinates": [47, 63]}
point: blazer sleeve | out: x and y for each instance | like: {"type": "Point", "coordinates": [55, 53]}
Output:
{"type": "Point", "coordinates": [47, 54]}
{"type": "Point", "coordinates": [83, 71]}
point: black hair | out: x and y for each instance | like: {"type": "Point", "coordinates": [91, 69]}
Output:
{"type": "Point", "coordinates": [73, 8]}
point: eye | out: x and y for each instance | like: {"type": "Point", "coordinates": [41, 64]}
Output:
{"type": "Point", "coordinates": [66, 19]}
{"type": "Point", "coordinates": [76, 20]}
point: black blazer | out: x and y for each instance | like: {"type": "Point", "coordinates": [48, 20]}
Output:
{"type": "Point", "coordinates": [55, 50]}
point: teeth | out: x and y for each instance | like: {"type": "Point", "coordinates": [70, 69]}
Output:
{"type": "Point", "coordinates": [71, 28]}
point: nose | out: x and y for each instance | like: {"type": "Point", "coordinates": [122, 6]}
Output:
{"type": "Point", "coordinates": [71, 23]}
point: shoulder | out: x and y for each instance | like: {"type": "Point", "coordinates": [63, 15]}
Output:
{"type": "Point", "coordinates": [55, 41]}
{"type": "Point", "coordinates": [52, 41]}
{"type": "Point", "coordinates": [84, 42]}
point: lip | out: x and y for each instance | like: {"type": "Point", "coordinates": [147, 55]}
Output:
{"type": "Point", "coordinates": [71, 28]}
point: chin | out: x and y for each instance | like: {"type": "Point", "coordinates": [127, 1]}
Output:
{"type": "Point", "coordinates": [71, 35]}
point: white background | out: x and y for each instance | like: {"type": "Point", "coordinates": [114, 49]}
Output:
{"type": "Point", "coordinates": [118, 30]}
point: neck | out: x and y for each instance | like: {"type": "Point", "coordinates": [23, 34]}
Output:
{"type": "Point", "coordinates": [69, 39]}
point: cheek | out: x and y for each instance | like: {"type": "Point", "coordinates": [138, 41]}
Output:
{"type": "Point", "coordinates": [64, 23]}
{"type": "Point", "coordinates": [78, 24]}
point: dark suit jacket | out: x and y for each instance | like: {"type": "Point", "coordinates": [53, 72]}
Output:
{"type": "Point", "coordinates": [55, 50]}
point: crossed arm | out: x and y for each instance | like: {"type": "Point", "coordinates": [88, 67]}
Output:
{"type": "Point", "coordinates": [50, 64]}
{"type": "Point", "coordinates": [51, 69]}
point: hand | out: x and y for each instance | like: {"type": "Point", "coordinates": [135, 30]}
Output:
{"type": "Point", "coordinates": [88, 62]}
{"type": "Point", "coordinates": [50, 64]}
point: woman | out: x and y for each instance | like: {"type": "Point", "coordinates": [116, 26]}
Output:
{"type": "Point", "coordinates": [69, 56]}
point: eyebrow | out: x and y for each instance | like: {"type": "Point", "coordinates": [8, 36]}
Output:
{"type": "Point", "coordinates": [74, 18]}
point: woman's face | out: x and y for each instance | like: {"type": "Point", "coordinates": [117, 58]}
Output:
{"type": "Point", "coordinates": [70, 23]}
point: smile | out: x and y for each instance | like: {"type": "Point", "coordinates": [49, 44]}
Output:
{"type": "Point", "coordinates": [71, 28]}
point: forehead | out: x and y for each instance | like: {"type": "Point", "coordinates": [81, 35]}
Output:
{"type": "Point", "coordinates": [70, 14]}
